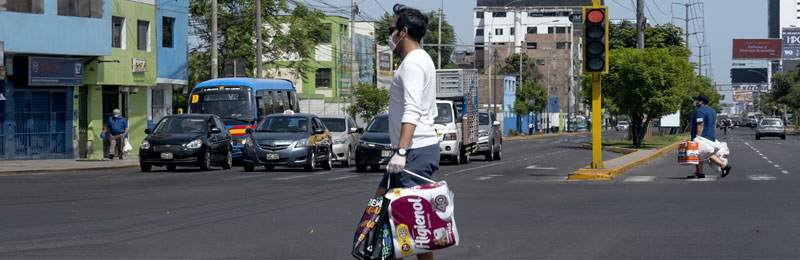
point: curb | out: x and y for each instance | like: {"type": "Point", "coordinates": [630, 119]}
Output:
{"type": "Point", "coordinates": [23, 171]}
{"type": "Point", "coordinates": [541, 136]}
{"type": "Point", "coordinates": [608, 173]}
{"type": "Point", "coordinates": [613, 149]}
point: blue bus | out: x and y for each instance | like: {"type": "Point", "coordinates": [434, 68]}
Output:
{"type": "Point", "coordinates": [242, 102]}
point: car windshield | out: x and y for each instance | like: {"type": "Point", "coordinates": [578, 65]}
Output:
{"type": "Point", "coordinates": [334, 124]}
{"type": "Point", "coordinates": [483, 118]}
{"type": "Point", "coordinates": [172, 125]}
{"type": "Point", "coordinates": [233, 105]}
{"type": "Point", "coordinates": [283, 124]}
{"type": "Point", "coordinates": [445, 114]}
{"type": "Point", "coordinates": [771, 123]}
{"type": "Point", "coordinates": [623, 123]}
{"type": "Point", "coordinates": [379, 124]}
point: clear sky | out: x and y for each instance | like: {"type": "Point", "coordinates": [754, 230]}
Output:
{"type": "Point", "coordinates": [724, 20]}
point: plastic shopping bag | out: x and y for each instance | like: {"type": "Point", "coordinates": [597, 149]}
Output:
{"type": "Point", "coordinates": [723, 156]}
{"type": "Point", "coordinates": [373, 238]}
{"type": "Point", "coordinates": [421, 218]}
{"type": "Point", "coordinates": [127, 148]}
{"type": "Point", "coordinates": [688, 153]}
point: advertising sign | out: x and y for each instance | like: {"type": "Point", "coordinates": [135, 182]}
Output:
{"type": "Point", "coordinates": [384, 66]}
{"type": "Point", "coordinates": [743, 96]}
{"type": "Point", "coordinates": [139, 65]}
{"type": "Point", "coordinates": [2, 55]}
{"type": "Point", "coordinates": [671, 120]}
{"type": "Point", "coordinates": [791, 43]}
{"type": "Point", "coordinates": [757, 48]}
{"type": "Point", "coordinates": [55, 71]}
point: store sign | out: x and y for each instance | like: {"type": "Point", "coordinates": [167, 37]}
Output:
{"type": "Point", "coordinates": [751, 87]}
{"type": "Point", "coordinates": [44, 71]}
{"type": "Point", "coordinates": [139, 65]}
{"type": "Point", "coordinates": [791, 43]}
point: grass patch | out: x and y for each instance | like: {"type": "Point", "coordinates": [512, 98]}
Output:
{"type": "Point", "coordinates": [657, 141]}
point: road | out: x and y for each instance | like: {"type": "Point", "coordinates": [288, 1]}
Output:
{"type": "Point", "coordinates": [521, 207]}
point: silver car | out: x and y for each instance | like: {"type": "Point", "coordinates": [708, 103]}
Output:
{"type": "Point", "coordinates": [490, 136]}
{"type": "Point", "coordinates": [771, 127]}
{"type": "Point", "coordinates": [345, 133]}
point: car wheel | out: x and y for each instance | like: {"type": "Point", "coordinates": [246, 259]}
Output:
{"type": "Point", "coordinates": [463, 157]}
{"type": "Point", "coordinates": [456, 159]}
{"type": "Point", "coordinates": [375, 167]}
{"type": "Point", "coordinates": [269, 167]}
{"type": "Point", "coordinates": [499, 152]}
{"type": "Point", "coordinates": [171, 168]}
{"type": "Point", "coordinates": [328, 165]}
{"type": "Point", "coordinates": [361, 167]}
{"type": "Point", "coordinates": [228, 161]}
{"type": "Point", "coordinates": [783, 137]}
{"type": "Point", "coordinates": [490, 155]}
{"type": "Point", "coordinates": [205, 160]}
{"type": "Point", "coordinates": [249, 168]}
{"type": "Point", "coordinates": [146, 167]}
{"type": "Point", "coordinates": [311, 162]}
{"type": "Point", "coordinates": [347, 158]}
{"type": "Point", "coordinates": [758, 137]}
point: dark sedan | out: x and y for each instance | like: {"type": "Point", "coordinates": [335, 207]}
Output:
{"type": "Point", "coordinates": [186, 140]}
{"type": "Point", "coordinates": [290, 140]}
{"type": "Point", "coordinates": [374, 148]}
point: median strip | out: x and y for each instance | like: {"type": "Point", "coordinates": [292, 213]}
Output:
{"type": "Point", "coordinates": [622, 164]}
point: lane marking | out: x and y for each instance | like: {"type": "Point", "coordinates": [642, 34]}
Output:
{"type": "Point", "coordinates": [291, 177]}
{"type": "Point", "coordinates": [537, 167]}
{"type": "Point", "coordinates": [784, 172]}
{"type": "Point", "coordinates": [707, 178]}
{"type": "Point", "coordinates": [342, 177]}
{"type": "Point", "coordinates": [488, 177]}
{"type": "Point", "coordinates": [760, 178]}
{"type": "Point", "coordinates": [469, 169]}
{"type": "Point", "coordinates": [640, 179]}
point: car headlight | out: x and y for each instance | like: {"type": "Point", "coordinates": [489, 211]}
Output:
{"type": "Point", "coordinates": [194, 144]}
{"type": "Point", "coordinates": [450, 137]}
{"type": "Point", "coordinates": [243, 141]}
{"type": "Point", "coordinates": [302, 143]}
{"type": "Point", "coordinates": [145, 145]}
{"type": "Point", "coordinates": [247, 142]}
{"type": "Point", "coordinates": [339, 141]}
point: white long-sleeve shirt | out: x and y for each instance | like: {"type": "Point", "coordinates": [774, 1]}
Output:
{"type": "Point", "coordinates": [413, 100]}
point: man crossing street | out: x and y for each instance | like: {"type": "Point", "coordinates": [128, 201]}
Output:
{"type": "Point", "coordinates": [116, 129]}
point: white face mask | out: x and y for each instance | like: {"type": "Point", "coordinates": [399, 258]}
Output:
{"type": "Point", "coordinates": [392, 44]}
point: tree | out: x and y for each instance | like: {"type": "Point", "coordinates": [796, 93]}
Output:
{"type": "Point", "coordinates": [646, 84]}
{"type": "Point", "coordinates": [785, 91]}
{"type": "Point", "coordinates": [370, 101]}
{"type": "Point", "coordinates": [511, 67]}
{"type": "Point", "coordinates": [530, 97]}
{"type": "Point", "coordinates": [431, 37]}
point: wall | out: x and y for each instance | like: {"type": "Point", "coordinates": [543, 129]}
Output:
{"type": "Point", "coordinates": [39, 33]}
{"type": "Point", "coordinates": [173, 63]}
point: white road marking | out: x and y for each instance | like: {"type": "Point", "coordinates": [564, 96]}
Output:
{"type": "Point", "coordinates": [342, 177]}
{"type": "Point", "coordinates": [784, 172]}
{"type": "Point", "coordinates": [761, 177]}
{"type": "Point", "coordinates": [707, 178]}
{"type": "Point", "coordinates": [326, 172]}
{"type": "Point", "coordinates": [291, 177]}
{"type": "Point", "coordinates": [770, 162]}
{"type": "Point", "coordinates": [488, 177]}
{"type": "Point", "coordinates": [777, 166]}
{"type": "Point", "coordinates": [473, 168]}
{"type": "Point", "coordinates": [640, 179]}
{"type": "Point", "coordinates": [537, 167]}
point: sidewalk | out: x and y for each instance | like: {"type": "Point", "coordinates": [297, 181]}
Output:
{"type": "Point", "coordinates": [28, 166]}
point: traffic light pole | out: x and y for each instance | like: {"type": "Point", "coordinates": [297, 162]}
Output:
{"type": "Point", "coordinates": [597, 122]}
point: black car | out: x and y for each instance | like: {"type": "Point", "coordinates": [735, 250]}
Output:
{"type": "Point", "coordinates": [187, 140]}
{"type": "Point", "coordinates": [374, 148]}
{"type": "Point", "coordinates": [290, 140]}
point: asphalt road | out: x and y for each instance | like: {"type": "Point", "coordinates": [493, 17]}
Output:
{"type": "Point", "coordinates": [521, 207]}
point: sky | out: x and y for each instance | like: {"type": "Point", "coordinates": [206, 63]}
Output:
{"type": "Point", "coordinates": [722, 21]}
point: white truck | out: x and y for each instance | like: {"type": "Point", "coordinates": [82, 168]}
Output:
{"type": "Point", "coordinates": [457, 120]}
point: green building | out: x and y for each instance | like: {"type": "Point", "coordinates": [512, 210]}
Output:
{"type": "Point", "coordinates": [120, 80]}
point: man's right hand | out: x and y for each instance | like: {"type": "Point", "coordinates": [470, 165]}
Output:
{"type": "Point", "coordinates": [102, 135]}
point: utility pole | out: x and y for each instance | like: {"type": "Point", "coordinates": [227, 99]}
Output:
{"type": "Point", "coordinates": [439, 54]}
{"type": "Point", "coordinates": [491, 79]}
{"type": "Point", "coordinates": [640, 24]}
{"type": "Point", "coordinates": [687, 19]}
{"type": "Point", "coordinates": [214, 63]}
{"type": "Point", "coordinates": [259, 66]}
{"type": "Point", "coordinates": [353, 76]}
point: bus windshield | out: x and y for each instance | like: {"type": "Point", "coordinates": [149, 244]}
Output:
{"type": "Point", "coordinates": [233, 105]}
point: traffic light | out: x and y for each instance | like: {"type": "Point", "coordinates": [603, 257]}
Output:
{"type": "Point", "coordinates": [595, 37]}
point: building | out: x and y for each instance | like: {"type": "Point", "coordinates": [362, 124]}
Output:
{"type": "Point", "coordinates": [49, 47]}
{"type": "Point", "coordinates": [172, 34]}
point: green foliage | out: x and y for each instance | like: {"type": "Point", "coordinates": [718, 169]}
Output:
{"type": "Point", "coordinates": [785, 91]}
{"type": "Point", "coordinates": [370, 101]}
{"type": "Point", "coordinates": [530, 91]}
{"type": "Point", "coordinates": [431, 36]}
{"type": "Point", "coordinates": [698, 85]}
{"type": "Point", "coordinates": [659, 36]}
{"type": "Point", "coordinates": [511, 67]}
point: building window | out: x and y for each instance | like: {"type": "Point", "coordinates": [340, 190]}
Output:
{"type": "Point", "coordinates": [157, 105]}
{"type": "Point", "coordinates": [498, 31]}
{"type": "Point", "coordinates": [142, 35]}
{"type": "Point", "coordinates": [167, 32]}
{"type": "Point", "coordinates": [23, 6]}
{"type": "Point", "coordinates": [550, 30]}
{"type": "Point", "coordinates": [531, 46]}
{"type": "Point", "coordinates": [326, 35]}
{"type": "Point", "coordinates": [535, 14]}
{"type": "Point", "coordinates": [478, 32]}
{"type": "Point", "coordinates": [478, 14]}
{"type": "Point", "coordinates": [561, 45]}
{"type": "Point", "coordinates": [117, 29]}
{"type": "Point", "coordinates": [540, 62]}
{"type": "Point", "coordinates": [323, 78]}
{"type": "Point", "coordinates": [561, 30]}
{"type": "Point", "coordinates": [511, 31]}
{"type": "Point", "coordinates": [81, 8]}
{"type": "Point", "coordinates": [498, 14]}
{"type": "Point", "coordinates": [532, 30]}
{"type": "Point", "coordinates": [477, 48]}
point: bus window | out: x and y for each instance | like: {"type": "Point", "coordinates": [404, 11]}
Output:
{"type": "Point", "coordinates": [277, 102]}
{"type": "Point", "coordinates": [264, 100]}
{"type": "Point", "coordinates": [285, 100]}
{"type": "Point", "coordinates": [294, 105]}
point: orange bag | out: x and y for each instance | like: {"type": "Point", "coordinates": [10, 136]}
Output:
{"type": "Point", "coordinates": [688, 153]}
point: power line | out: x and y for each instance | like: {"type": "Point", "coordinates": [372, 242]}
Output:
{"type": "Point", "coordinates": [659, 8]}
{"type": "Point", "coordinates": [615, 1]}
{"type": "Point", "coordinates": [379, 4]}
{"type": "Point", "coordinates": [651, 14]}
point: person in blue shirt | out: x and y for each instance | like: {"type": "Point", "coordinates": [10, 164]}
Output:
{"type": "Point", "coordinates": [116, 129]}
{"type": "Point", "coordinates": [703, 125]}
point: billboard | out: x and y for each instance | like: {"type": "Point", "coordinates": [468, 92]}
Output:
{"type": "Point", "coordinates": [46, 71]}
{"type": "Point", "coordinates": [757, 49]}
{"type": "Point", "coordinates": [365, 58]}
{"type": "Point", "coordinates": [384, 66]}
{"type": "Point", "coordinates": [791, 43]}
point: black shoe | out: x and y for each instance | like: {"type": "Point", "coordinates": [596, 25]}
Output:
{"type": "Point", "coordinates": [696, 176]}
{"type": "Point", "coordinates": [120, 157]}
{"type": "Point", "coordinates": [110, 157]}
{"type": "Point", "coordinates": [726, 171]}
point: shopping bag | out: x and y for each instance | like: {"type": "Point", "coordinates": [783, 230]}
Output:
{"type": "Point", "coordinates": [421, 218]}
{"type": "Point", "coordinates": [688, 153]}
{"type": "Point", "coordinates": [127, 148]}
{"type": "Point", "coordinates": [373, 239]}
{"type": "Point", "coordinates": [723, 156]}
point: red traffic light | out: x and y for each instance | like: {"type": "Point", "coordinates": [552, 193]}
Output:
{"type": "Point", "coordinates": [595, 16]}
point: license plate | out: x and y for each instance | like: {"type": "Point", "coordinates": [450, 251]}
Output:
{"type": "Point", "coordinates": [166, 156]}
{"type": "Point", "coordinates": [386, 153]}
{"type": "Point", "coordinates": [273, 156]}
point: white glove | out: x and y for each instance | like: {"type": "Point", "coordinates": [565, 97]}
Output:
{"type": "Point", "coordinates": [396, 164]}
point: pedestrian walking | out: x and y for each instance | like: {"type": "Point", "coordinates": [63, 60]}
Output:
{"type": "Point", "coordinates": [530, 128]}
{"type": "Point", "coordinates": [116, 129]}
{"type": "Point", "coordinates": [412, 105]}
{"type": "Point", "coordinates": [704, 132]}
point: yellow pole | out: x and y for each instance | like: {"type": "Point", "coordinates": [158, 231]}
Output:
{"type": "Point", "coordinates": [597, 121]}
{"type": "Point", "coordinates": [596, 3]}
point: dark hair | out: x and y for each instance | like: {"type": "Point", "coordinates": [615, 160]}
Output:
{"type": "Point", "coordinates": [413, 19]}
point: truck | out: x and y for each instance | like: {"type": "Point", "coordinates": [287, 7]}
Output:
{"type": "Point", "coordinates": [457, 120]}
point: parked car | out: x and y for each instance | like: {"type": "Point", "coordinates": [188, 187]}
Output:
{"type": "Point", "coordinates": [345, 133]}
{"type": "Point", "coordinates": [622, 125]}
{"type": "Point", "coordinates": [289, 140]}
{"type": "Point", "coordinates": [771, 127]}
{"type": "Point", "coordinates": [374, 148]}
{"type": "Point", "coordinates": [490, 136]}
{"type": "Point", "coordinates": [186, 140]}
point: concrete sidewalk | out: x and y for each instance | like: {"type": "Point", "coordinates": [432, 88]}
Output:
{"type": "Point", "coordinates": [29, 166]}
